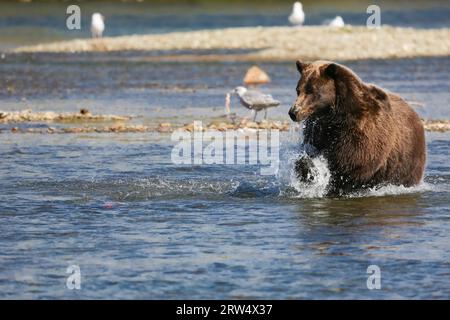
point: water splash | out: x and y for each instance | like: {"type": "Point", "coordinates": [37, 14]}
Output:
{"type": "Point", "coordinates": [317, 188]}
{"type": "Point", "coordinates": [290, 185]}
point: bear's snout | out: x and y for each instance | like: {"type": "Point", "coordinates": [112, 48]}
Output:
{"type": "Point", "coordinates": [293, 114]}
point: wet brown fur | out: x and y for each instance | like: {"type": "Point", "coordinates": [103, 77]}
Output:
{"type": "Point", "coordinates": [368, 136]}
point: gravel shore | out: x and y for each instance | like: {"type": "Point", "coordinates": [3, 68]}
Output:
{"type": "Point", "coordinates": [272, 43]}
{"type": "Point", "coordinates": [120, 125]}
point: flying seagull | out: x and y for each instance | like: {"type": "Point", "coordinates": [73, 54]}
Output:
{"type": "Point", "coordinates": [255, 100]}
{"type": "Point", "coordinates": [297, 16]}
{"type": "Point", "coordinates": [97, 25]}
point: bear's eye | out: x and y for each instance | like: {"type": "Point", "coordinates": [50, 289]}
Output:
{"type": "Point", "coordinates": [309, 88]}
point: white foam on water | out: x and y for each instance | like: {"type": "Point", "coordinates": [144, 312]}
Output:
{"type": "Point", "coordinates": [392, 190]}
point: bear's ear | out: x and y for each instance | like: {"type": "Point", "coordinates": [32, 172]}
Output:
{"type": "Point", "coordinates": [300, 66]}
{"type": "Point", "coordinates": [331, 70]}
{"type": "Point", "coordinates": [378, 93]}
{"type": "Point", "coordinates": [338, 72]}
{"type": "Point", "coordinates": [379, 98]}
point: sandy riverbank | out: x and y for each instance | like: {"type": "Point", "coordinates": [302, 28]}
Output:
{"type": "Point", "coordinates": [272, 43]}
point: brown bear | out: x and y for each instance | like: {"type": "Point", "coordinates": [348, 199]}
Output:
{"type": "Point", "coordinates": [369, 137]}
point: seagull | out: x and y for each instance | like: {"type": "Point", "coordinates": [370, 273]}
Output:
{"type": "Point", "coordinates": [97, 25]}
{"type": "Point", "coordinates": [255, 100]}
{"type": "Point", "coordinates": [337, 22]}
{"type": "Point", "coordinates": [297, 16]}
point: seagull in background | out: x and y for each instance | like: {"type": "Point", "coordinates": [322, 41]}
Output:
{"type": "Point", "coordinates": [255, 100]}
{"type": "Point", "coordinates": [297, 16]}
{"type": "Point", "coordinates": [337, 22]}
{"type": "Point", "coordinates": [97, 25]}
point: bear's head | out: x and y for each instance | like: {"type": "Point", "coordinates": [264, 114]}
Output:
{"type": "Point", "coordinates": [330, 87]}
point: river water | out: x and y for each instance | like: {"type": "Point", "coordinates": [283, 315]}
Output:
{"type": "Point", "coordinates": [140, 226]}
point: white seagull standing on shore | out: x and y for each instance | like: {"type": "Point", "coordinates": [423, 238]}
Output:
{"type": "Point", "coordinates": [97, 25]}
{"type": "Point", "coordinates": [337, 22]}
{"type": "Point", "coordinates": [297, 16]}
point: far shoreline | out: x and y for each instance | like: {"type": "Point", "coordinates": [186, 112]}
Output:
{"type": "Point", "coordinates": [269, 44]}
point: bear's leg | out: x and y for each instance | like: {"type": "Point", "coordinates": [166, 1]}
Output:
{"type": "Point", "coordinates": [304, 169]}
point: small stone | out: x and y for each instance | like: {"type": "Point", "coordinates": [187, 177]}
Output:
{"type": "Point", "coordinates": [188, 127]}
{"type": "Point", "coordinates": [222, 126]}
{"type": "Point", "coordinates": [265, 125]}
{"type": "Point", "coordinates": [164, 127]}
{"type": "Point", "coordinates": [85, 112]}
{"type": "Point", "coordinates": [252, 125]}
